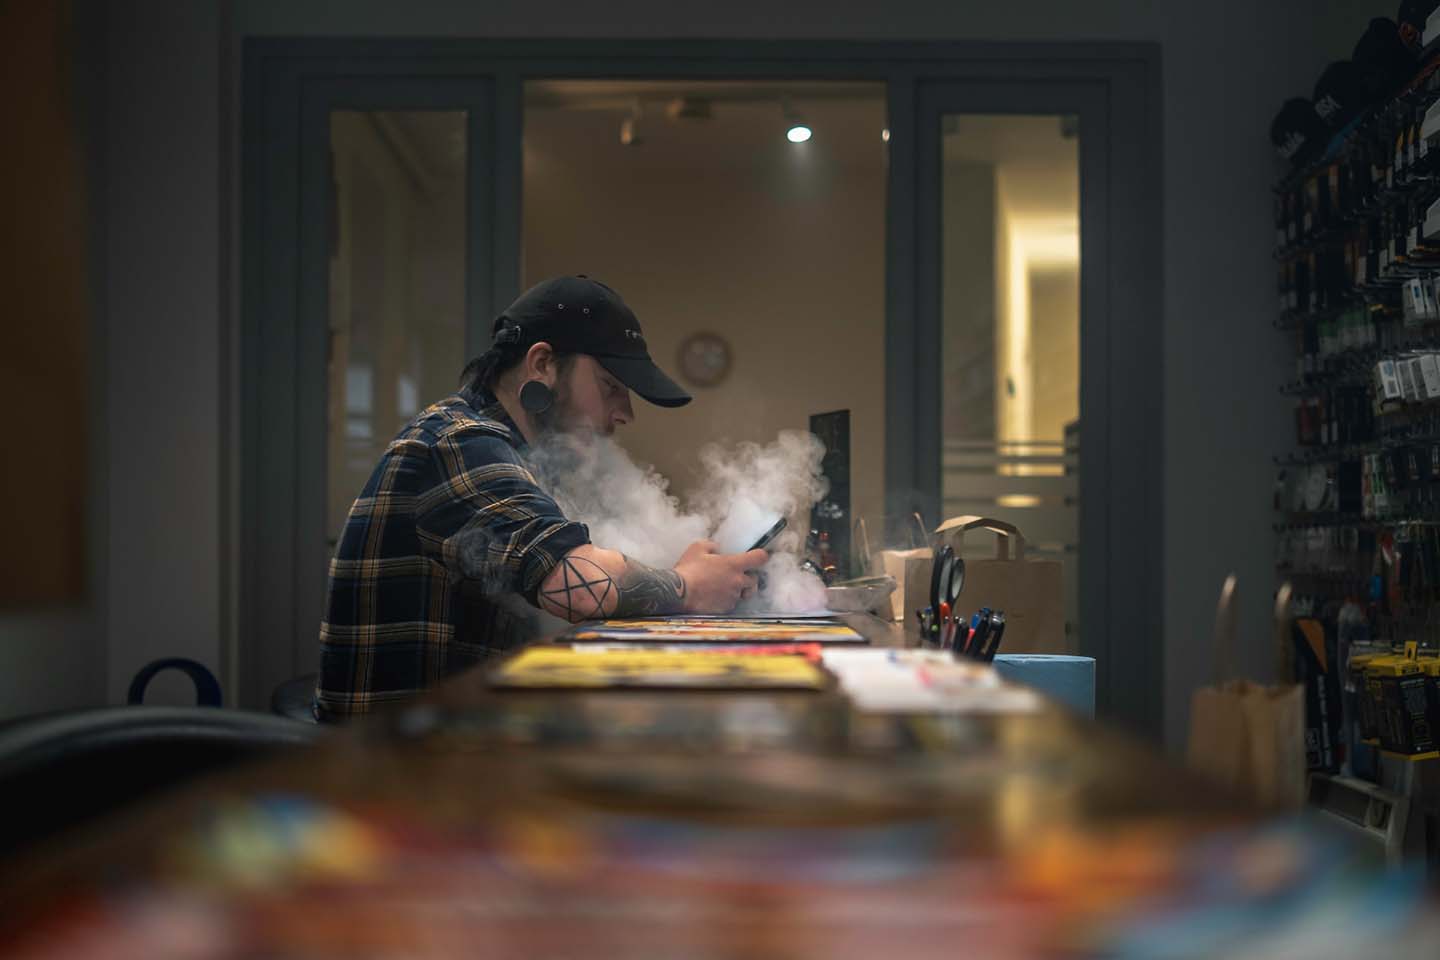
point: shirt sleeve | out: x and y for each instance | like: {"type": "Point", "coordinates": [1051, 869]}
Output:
{"type": "Point", "coordinates": [487, 520]}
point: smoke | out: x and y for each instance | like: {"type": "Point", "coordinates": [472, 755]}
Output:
{"type": "Point", "coordinates": [626, 506]}
{"type": "Point", "coordinates": [629, 507]}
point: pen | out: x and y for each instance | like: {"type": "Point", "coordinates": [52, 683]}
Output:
{"type": "Point", "coordinates": [981, 633]}
{"type": "Point", "coordinates": [959, 637]}
{"type": "Point", "coordinates": [970, 634]}
{"type": "Point", "coordinates": [998, 632]}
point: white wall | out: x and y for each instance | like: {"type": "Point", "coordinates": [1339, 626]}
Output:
{"type": "Point", "coordinates": [1227, 67]}
{"type": "Point", "coordinates": [725, 227]}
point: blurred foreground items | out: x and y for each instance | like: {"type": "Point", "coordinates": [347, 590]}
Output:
{"type": "Point", "coordinates": [631, 822]}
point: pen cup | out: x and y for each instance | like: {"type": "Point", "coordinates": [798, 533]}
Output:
{"type": "Point", "coordinates": [1067, 680]}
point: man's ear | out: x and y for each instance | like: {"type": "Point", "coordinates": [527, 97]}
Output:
{"type": "Point", "coordinates": [540, 363]}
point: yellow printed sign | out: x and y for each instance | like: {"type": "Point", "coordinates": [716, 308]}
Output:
{"type": "Point", "coordinates": [717, 630]}
{"type": "Point", "coordinates": [563, 667]}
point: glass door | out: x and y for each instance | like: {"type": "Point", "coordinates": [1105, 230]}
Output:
{"type": "Point", "coordinates": [1010, 328]}
{"type": "Point", "coordinates": [373, 307]}
{"type": "Point", "coordinates": [1007, 190]}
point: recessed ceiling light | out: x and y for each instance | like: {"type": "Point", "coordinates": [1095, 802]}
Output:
{"type": "Point", "coordinates": [796, 129]}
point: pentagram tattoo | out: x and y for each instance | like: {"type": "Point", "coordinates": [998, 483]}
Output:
{"type": "Point", "coordinates": [582, 592]}
{"type": "Point", "coordinates": [587, 592]}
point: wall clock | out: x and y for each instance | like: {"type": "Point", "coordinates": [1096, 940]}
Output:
{"type": "Point", "coordinates": [704, 359]}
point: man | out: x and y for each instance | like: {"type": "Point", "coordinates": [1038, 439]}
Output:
{"type": "Point", "coordinates": [452, 536]}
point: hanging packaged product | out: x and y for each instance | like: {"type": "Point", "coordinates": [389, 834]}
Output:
{"type": "Point", "coordinates": [1418, 302]}
{"type": "Point", "coordinates": [1407, 382]}
{"type": "Point", "coordinates": [1387, 386]}
{"type": "Point", "coordinates": [1430, 129]}
{"type": "Point", "coordinates": [1367, 718]}
{"type": "Point", "coordinates": [1430, 375]}
{"type": "Point", "coordinates": [1375, 697]}
{"type": "Point", "coordinates": [1405, 723]}
{"type": "Point", "coordinates": [1431, 666]}
{"type": "Point", "coordinates": [1315, 670]}
{"type": "Point", "coordinates": [1431, 225]}
{"type": "Point", "coordinates": [1417, 376]}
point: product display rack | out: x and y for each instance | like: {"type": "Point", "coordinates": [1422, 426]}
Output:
{"type": "Point", "coordinates": [1358, 260]}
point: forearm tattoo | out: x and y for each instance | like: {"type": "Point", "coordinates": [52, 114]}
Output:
{"type": "Point", "coordinates": [648, 592]}
{"type": "Point", "coordinates": [586, 592]}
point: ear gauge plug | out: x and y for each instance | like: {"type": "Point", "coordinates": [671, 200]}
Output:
{"type": "Point", "coordinates": [536, 397]}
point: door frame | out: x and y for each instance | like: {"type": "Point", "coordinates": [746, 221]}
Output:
{"type": "Point", "coordinates": [1114, 421]}
{"type": "Point", "coordinates": [1122, 580]}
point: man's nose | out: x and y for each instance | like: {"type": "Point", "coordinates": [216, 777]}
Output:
{"type": "Point", "coordinates": [624, 413]}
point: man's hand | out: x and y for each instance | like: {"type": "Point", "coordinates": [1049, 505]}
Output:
{"type": "Point", "coordinates": [716, 582]}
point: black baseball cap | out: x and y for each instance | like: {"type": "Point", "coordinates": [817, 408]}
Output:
{"type": "Point", "coordinates": [1382, 58]}
{"type": "Point", "coordinates": [1297, 131]}
{"type": "Point", "coordinates": [1339, 94]}
{"type": "Point", "coordinates": [1411, 18]}
{"type": "Point", "coordinates": [580, 315]}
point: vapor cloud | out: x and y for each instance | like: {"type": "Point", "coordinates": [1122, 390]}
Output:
{"type": "Point", "coordinates": [629, 507]}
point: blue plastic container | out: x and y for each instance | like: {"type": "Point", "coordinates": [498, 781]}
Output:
{"type": "Point", "coordinates": [1067, 680]}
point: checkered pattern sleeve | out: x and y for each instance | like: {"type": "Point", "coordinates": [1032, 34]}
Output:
{"type": "Point", "coordinates": [487, 520]}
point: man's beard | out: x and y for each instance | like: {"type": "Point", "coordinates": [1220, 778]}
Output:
{"type": "Point", "coordinates": [556, 419]}
{"type": "Point", "coordinates": [560, 420]}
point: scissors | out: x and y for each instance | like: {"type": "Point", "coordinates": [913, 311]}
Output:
{"type": "Point", "coordinates": [947, 579]}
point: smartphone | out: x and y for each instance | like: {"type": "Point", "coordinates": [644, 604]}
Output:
{"type": "Point", "coordinates": [770, 535]}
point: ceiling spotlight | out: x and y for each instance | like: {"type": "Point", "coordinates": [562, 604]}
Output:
{"type": "Point", "coordinates": [688, 108]}
{"type": "Point", "coordinates": [630, 127]}
{"type": "Point", "coordinates": [885, 135]}
{"type": "Point", "coordinates": [797, 130]}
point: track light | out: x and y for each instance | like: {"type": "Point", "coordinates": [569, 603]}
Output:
{"type": "Point", "coordinates": [630, 127]}
{"type": "Point", "coordinates": [797, 130]}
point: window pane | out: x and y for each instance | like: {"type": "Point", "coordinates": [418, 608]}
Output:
{"type": "Point", "coordinates": [1010, 302]}
{"type": "Point", "coordinates": [397, 282]}
{"type": "Point", "coordinates": [695, 202]}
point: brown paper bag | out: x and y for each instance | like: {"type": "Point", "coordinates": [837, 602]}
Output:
{"type": "Point", "coordinates": [909, 568]}
{"type": "Point", "coordinates": [1029, 591]}
{"type": "Point", "coordinates": [1248, 737]}
{"type": "Point", "coordinates": [897, 564]}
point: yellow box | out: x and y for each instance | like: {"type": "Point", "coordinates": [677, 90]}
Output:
{"type": "Point", "coordinates": [1405, 726]}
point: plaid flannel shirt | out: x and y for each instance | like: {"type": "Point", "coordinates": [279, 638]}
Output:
{"type": "Point", "coordinates": [449, 533]}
